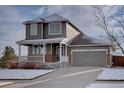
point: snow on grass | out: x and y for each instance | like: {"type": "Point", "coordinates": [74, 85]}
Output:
{"type": "Point", "coordinates": [111, 74]}
{"type": "Point", "coordinates": [22, 73]}
{"type": "Point", "coordinates": [106, 85]}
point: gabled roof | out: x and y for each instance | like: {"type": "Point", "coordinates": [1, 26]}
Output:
{"type": "Point", "coordinates": [83, 39]}
{"type": "Point", "coordinates": [36, 20]}
{"type": "Point", "coordinates": [51, 18]}
{"type": "Point", "coordinates": [54, 18]}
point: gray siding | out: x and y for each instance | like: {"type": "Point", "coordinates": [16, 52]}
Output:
{"type": "Point", "coordinates": [39, 29]}
{"type": "Point", "coordinates": [48, 49]}
{"type": "Point", "coordinates": [29, 50]}
{"type": "Point", "coordinates": [43, 31]}
{"type": "Point", "coordinates": [46, 35]}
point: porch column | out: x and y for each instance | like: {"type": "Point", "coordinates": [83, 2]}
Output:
{"type": "Point", "coordinates": [60, 53]}
{"type": "Point", "coordinates": [19, 54]}
{"type": "Point", "coordinates": [44, 52]}
{"type": "Point", "coordinates": [51, 49]}
{"type": "Point", "coordinates": [66, 55]}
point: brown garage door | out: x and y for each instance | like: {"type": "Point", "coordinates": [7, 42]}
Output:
{"type": "Point", "coordinates": [89, 58]}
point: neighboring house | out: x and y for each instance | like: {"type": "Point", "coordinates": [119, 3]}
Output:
{"type": "Point", "coordinates": [56, 39]}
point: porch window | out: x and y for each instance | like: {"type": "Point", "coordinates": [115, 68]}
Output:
{"type": "Point", "coordinates": [37, 49]}
{"type": "Point", "coordinates": [55, 28]}
{"type": "Point", "coordinates": [33, 30]}
{"type": "Point", "coordinates": [41, 50]}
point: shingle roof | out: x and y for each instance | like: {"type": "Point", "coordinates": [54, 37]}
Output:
{"type": "Point", "coordinates": [55, 17]}
{"type": "Point", "coordinates": [83, 39]}
{"type": "Point", "coordinates": [51, 18]}
{"type": "Point", "coordinates": [40, 41]}
{"type": "Point", "coordinates": [36, 20]}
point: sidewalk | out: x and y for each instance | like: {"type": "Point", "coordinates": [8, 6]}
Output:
{"type": "Point", "coordinates": [2, 84]}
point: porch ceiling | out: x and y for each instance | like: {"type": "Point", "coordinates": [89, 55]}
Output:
{"type": "Point", "coordinates": [40, 41]}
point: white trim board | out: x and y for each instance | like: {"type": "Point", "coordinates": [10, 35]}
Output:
{"type": "Point", "coordinates": [92, 45]}
{"type": "Point", "coordinates": [89, 50]}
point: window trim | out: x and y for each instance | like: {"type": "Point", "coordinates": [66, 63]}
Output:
{"type": "Point", "coordinates": [34, 50]}
{"type": "Point", "coordinates": [49, 33]}
{"type": "Point", "coordinates": [31, 29]}
{"type": "Point", "coordinates": [62, 51]}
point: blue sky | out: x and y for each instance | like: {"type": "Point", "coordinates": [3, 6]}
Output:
{"type": "Point", "coordinates": [12, 17]}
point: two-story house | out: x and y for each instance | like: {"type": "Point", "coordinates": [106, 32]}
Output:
{"type": "Point", "coordinates": [56, 39]}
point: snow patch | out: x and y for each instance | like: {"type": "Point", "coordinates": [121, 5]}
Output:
{"type": "Point", "coordinates": [111, 74]}
{"type": "Point", "coordinates": [22, 74]}
{"type": "Point", "coordinates": [106, 85]}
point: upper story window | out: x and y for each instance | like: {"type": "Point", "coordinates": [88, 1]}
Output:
{"type": "Point", "coordinates": [55, 28]}
{"type": "Point", "coordinates": [33, 30]}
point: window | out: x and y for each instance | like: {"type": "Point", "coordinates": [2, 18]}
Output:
{"type": "Point", "coordinates": [37, 49]}
{"type": "Point", "coordinates": [40, 50]}
{"type": "Point", "coordinates": [58, 50]}
{"type": "Point", "coordinates": [54, 28]}
{"type": "Point", "coordinates": [33, 29]}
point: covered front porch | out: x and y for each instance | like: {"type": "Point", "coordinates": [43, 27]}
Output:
{"type": "Point", "coordinates": [44, 50]}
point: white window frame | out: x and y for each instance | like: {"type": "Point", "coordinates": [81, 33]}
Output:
{"type": "Point", "coordinates": [39, 51]}
{"type": "Point", "coordinates": [49, 33]}
{"type": "Point", "coordinates": [36, 33]}
{"type": "Point", "coordinates": [34, 51]}
{"type": "Point", "coordinates": [63, 52]}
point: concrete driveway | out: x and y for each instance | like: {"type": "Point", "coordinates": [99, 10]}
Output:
{"type": "Point", "coordinates": [72, 77]}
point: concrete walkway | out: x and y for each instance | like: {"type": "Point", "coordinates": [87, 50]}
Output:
{"type": "Point", "coordinates": [72, 77]}
{"type": "Point", "coordinates": [2, 84]}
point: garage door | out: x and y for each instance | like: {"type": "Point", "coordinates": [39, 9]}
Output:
{"type": "Point", "coordinates": [89, 58]}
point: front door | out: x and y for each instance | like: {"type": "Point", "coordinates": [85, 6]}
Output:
{"type": "Point", "coordinates": [58, 53]}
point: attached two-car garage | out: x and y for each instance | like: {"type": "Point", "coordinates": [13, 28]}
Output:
{"type": "Point", "coordinates": [89, 57]}
{"type": "Point", "coordinates": [87, 51]}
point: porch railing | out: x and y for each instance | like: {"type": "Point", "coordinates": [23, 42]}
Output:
{"type": "Point", "coordinates": [39, 58]}
{"type": "Point", "coordinates": [31, 58]}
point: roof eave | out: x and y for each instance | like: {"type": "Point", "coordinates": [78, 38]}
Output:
{"type": "Point", "coordinates": [91, 45]}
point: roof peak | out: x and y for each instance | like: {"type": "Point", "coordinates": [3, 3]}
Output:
{"type": "Point", "coordinates": [54, 17]}
{"type": "Point", "coordinates": [51, 18]}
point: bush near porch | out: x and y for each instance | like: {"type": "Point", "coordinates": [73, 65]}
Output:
{"type": "Point", "coordinates": [24, 65]}
{"type": "Point", "coordinates": [118, 60]}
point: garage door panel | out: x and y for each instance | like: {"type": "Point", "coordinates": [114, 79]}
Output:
{"type": "Point", "coordinates": [89, 58]}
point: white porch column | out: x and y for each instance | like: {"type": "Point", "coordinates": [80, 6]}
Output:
{"type": "Point", "coordinates": [44, 52]}
{"type": "Point", "coordinates": [51, 49]}
{"type": "Point", "coordinates": [66, 55]}
{"type": "Point", "coordinates": [60, 55]}
{"type": "Point", "coordinates": [19, 54]}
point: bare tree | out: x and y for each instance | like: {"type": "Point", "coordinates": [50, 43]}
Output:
{"type": "Point", "coordinates": [103, 22]}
